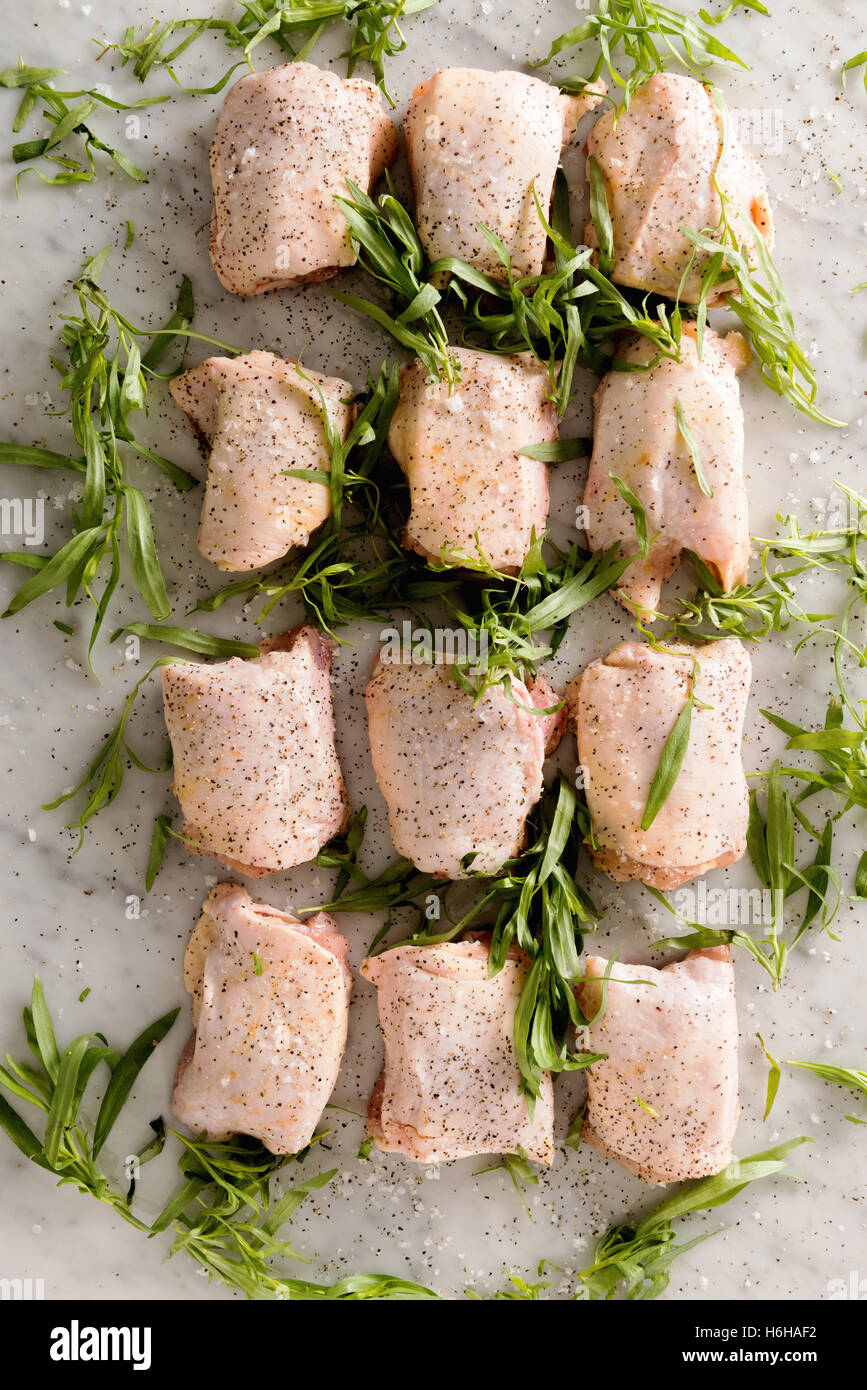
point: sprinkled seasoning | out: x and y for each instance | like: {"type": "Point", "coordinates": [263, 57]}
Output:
{"type": "Point", "coordinates": [624, 708]}
{"type": "Point", "coordinates": [459, 777]}
{"type": "Point", "coordinates": [636, 437]}
{"type": "Point", "coordinates": [478, 144]}
{"type": "Point", "coordinates": [664, 1102]}
{"type": "Point", "coordinates": [286, 142]}
{"type": "Point", "coordinates": [256, 770]}
{"type": "Point", "coordinates": [660, 163]}
{"type": "Point", "coordinates": [259, 417]}
{"type": "Point", "coordinates": [468, 485]}
{"type": "Point", "coordinates": [450, 1084]}
{"type": "Point", "coordinates": [270, 1009]}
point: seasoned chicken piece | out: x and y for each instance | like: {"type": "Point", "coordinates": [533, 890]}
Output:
{"type": "Point", "coordinates": [270, 1009]}
{"type": "Point", "coordinates": [450, 1084]}
{"type": "Point", "coordinates": [260, 417]}
{"type": "Point", "coordinates": [459, 777]}
{"type": "Point", "coordinates": [636, 437]}
{"type": "Point", "coordinates": [287, 140]}
{"type": "Point", "coordinates": [664, 1102]}
{"type": "Point", "coordinates": [459, 451]}
{"type": "Point", "coordinates": [255, 767]}
{"type": "Point", "coordinates": [658, 159]}
{"type": "Point", "coordinates": [624, 708]}
{"type": "Point", "coordinates": [478, 143]}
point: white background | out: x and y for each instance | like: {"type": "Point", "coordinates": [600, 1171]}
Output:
{"type": "Point", "coordinates": [66, 918]}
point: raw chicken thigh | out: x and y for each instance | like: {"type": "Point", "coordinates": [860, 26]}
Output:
{"type": "Point", "coordinates": [459, 777]}
{"type": "Point", "coordinates": [478, 144]}
{"type": "Point", "coordinates": [255, 767]}
{"type": "Point", "coordinates": [270, 1011]}
{"type": "Point", "coordinates": [260, 417]}
{"type": "Point", "coordinates": [624, 708]}
{"type": "Point", "coordinates": [450, 1084]}
{"type": "Point", "coordinates": [287, 140]}
{"type": "Point", "coordinates": [636, 437]}
{"type": "Point", "coordinates": [671, 1036]}
{"type": "Point", "coordinates": [459, 451]}
{"type": "Point", "coordinates": [658, 159]}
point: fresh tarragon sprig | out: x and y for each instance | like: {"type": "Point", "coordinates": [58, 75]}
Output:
{"type": "Point", "coordinates": [773, 602]}
{"type": "Point", "coordinates": [68, 126]}
{"type": "Point", "coordinates": [223, 1215]}
{"type": "Point", "coordinates": [504, 615]}
{"type": "Point", "coordinates": [539, 908]}
{"type": "Point", "coordinates": [646, 38]}
{"type": "Point", "coordinates": [739, 271]}
{"type": "Point", "coordinates": [850, 1078]}
{"type": "Point", "coordinates": [561, 316]}
{"type": "Point", "coordinates": [771, 845]}
{"type": "Point", "coordinates": [55, 1082]}
{"type": "Point", "coordinates": [294, 25]}
{"type": "Point", "coordinates": [355, 569]}
{"type": "Point", "coordinates": [634, 1259]}
{"type": "Point", "coordinates": [104, 376]}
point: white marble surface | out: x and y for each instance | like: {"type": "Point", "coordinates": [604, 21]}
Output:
{"type": "Point", "coordinates": [68, 917]}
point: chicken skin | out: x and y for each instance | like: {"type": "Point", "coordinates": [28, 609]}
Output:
{"type": "Point", "coordinates": [459, 777]}
{"type": "Point", "coordinates": [255, 766]}
{"type": "Point", "coordinates": [658, 159]}
{"type": "Point", "coordinates": [259, 417]}
{"type": "Point", "coordinates": [664, 1102]}
{"type": "Point", "coordinates": [468, 485]}
{"type": "Point", "coordinates": [287, 140]}
{"type": "Point", "coordinates": [624, 708]}
{"type": "Point", "coordinates": [270, 1001]}
{"type": "Point", "coordinates": [450, 1084]}
{"type": "Point", "coordinates": [637, 438]}
{"type": "Point", "coordinates": [478, 144]}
